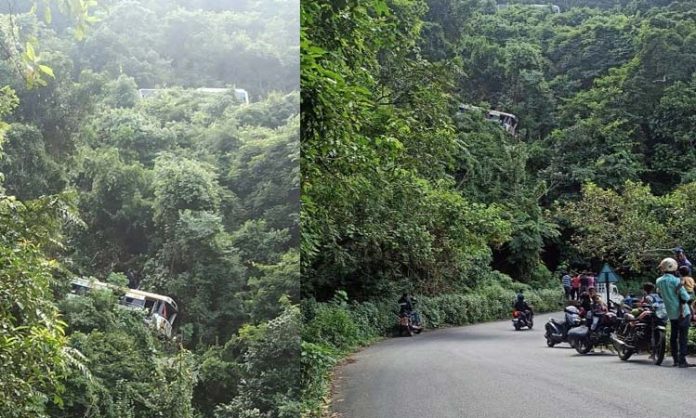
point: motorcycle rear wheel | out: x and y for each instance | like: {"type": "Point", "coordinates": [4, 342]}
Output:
{"type": "Point", "coordinates": [583, 346]}
{"type": "Point", "coordinates": [660, 349]}
{"type": "Point", "coordinates": [517, 326]}
{"type": "Point", "coordinates": [624, 353]}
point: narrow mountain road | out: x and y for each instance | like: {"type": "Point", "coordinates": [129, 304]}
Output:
{"type": "Point", "coordinates": [490, 370]}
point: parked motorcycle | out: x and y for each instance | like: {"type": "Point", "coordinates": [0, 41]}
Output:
{"type": "Point", "coordinates": [557, 331]}
{"type": "Point", "coordinates": [595, 332]}
{"type": "Point", "coordinates": [645, 333]}
{"type": "Point", "coordinates": [521, 319]}
{"type": "Point", "coordinates": [409, 323]}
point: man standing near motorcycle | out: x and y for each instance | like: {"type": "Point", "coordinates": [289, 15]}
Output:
{"type": "Point", "coordinates": [687, 281]}
{"type": "Point", "coordinates": [565, 280]}
{"type": "Point", "coordinates": [575, 287]}
{"type": "Point", "coordinates": [675, 299]}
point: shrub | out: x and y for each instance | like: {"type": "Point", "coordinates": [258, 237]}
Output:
{"type": "Point", "coordinates": [332, 325]}
{"type": "Point", "coordinates": [316, 361]}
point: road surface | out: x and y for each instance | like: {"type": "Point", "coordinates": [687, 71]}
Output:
{"type": "Point", "coordinates": [490, 370]}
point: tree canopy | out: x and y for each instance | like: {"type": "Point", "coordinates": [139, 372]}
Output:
{"type": "Point", "coordinates": [403, 188]}
{"type": "Point", "coordinates": [187, 193]}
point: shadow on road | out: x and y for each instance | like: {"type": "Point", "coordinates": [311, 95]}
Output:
{"type": "Point", "coordinates": [464, 336]}
{"type": "Point", "coordinates": [645, 362]}
{"type": "Point", "coordinates": [595, 354]}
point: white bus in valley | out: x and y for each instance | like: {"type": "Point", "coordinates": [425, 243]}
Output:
{"type": "Point", "coordinates": [161, 310]}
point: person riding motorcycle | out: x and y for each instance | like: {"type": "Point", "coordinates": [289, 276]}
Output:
{"type": "Point", "coordinates": [522, 306]}
{"type": "Point", "coordinates": [596, 308]}
{"type": "Point", "coordinates": [406, 304]}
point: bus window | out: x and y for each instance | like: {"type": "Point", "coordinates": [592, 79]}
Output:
{"type": "Point", "coordinates": [149, 304]}
{"type": "Point", "coordinates": [79, 289]}
{"type": "Point", "coordinates": [133, 302]}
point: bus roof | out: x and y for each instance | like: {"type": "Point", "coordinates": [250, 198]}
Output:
{"type": "Point", "coordinates": [149, 295]}
{"type": "Point", "coordinates": [141, 294]}
{"type": "Point", "coordinates": [498, 113]}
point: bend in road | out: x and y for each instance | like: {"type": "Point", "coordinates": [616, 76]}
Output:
{"type": "Point", "coordinates": [491, 370]}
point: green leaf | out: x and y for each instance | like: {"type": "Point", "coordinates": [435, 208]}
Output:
{"type": "Point", "coordinates": [31, 54]}
{"type": "Point", "coordinates": [47, 70]}
{"type": "Point", "coordinates": [48, 17]}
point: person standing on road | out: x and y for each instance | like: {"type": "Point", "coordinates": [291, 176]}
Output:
{"type": "Point", "coordinates": [566, 284]}
{"type": "Point", "coordinates": [575, 287]}
{"type": "Point", "coordinates": [583, 282]}
{"type": "Point", "coordinates": [681, 258]}
{"type": "Point", "coordinates": [687, 281]}
{"type": "Point", "coordinates": [675, 298]}
{"type": "Point", "coordinates": [591, 282]}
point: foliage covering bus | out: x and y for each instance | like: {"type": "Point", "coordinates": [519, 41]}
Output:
{"type": "Point", "coordinates": [507, 121]}
{"type": "Point", "coordinates": [161, 310]}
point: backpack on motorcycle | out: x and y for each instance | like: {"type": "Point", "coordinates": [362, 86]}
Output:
{"type": "Point", "coordinates": [659, 306]}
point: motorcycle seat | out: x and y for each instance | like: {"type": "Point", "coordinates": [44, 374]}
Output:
{"type": "Point", "coordinates": [628, 317]}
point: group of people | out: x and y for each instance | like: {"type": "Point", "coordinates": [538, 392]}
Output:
{"type": "Point", "coordinates": [674, 290]}
{"type": "Point", "coordinates": [575, 284]}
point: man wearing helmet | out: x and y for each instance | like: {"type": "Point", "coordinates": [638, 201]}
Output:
{"type": "Point", "coordinates": [522, 306]}
{"type": "Point", "coordinates": [675, 297]}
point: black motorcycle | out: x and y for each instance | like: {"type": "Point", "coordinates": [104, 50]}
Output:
{"type": "Point", "coordinates": [522, 319]}
{"type": "Point", "coordinates": [595, 332]}
{"type": "Point", "coordinates": [557, 331]}
{"type": "Point", "coordinates": [645, 333]}
{"type": "Point", "coordinates": [409, 323]}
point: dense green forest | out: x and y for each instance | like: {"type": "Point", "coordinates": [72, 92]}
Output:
{"type": "Point", "coordinates": [407, 187]}
{"type": "Point", "coordinates": [403, 188]}
{"type": "Point", "coordinates": [188, 194]}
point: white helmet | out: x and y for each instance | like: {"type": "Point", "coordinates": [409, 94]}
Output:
{"type": "Point", "coordinates": [668, 265]}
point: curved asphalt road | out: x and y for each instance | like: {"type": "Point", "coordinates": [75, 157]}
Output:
{"type": "Point", "coordinates": [490, 370]}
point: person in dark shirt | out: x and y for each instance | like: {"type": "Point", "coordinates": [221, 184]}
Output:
{"type": "Point", "coordinates": [682, 261]}
{"type": "Point", "coordinates": [649, 296]}
{"type": "Point", "coordinates": [566, 281]}
{"type": "Point", "coordinates": [406, 303]}
{"type": "Point", "coordinates": [522, 306]}
{"type": "Point", "coordinates": [584, 282]}
{"type": "Point", "coordinates": [585, 302]}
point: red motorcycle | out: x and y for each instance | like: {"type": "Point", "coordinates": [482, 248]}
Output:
{"type": "Point", "coordinates": [522, 319]}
